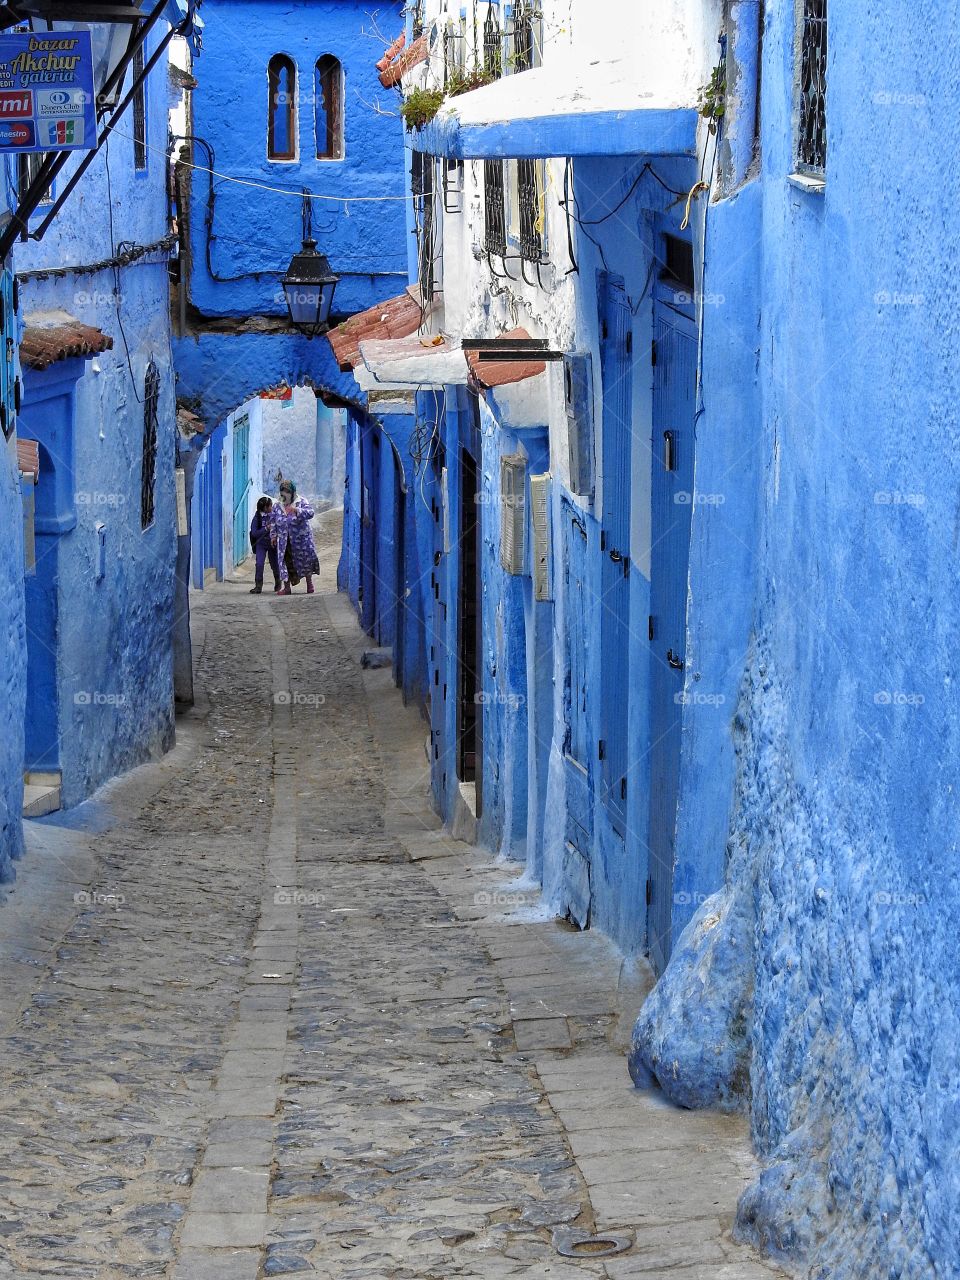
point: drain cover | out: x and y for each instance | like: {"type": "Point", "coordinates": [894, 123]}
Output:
{"type": "Point", "coordinates": [580, 1244]}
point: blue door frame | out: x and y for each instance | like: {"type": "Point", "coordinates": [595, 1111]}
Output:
{"type": "Point", "coordinates": [672, 493]}
{"type": "Point", "coordinates": [616, 360]}
{"type": "Point", "coordinates": [241, 487]}
{"type": "Point", "coordinates": [578, 744]}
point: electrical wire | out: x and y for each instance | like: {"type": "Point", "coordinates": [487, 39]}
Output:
{"type": "Point", "coordinates": [136, 253]}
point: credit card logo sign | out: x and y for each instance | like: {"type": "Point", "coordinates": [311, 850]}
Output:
{"type": "Point", "coordinates": [16, 104]}
{"type": "Point", "coordinates": [63, 133]}
{"type": "Point", "coordinates": [59, 102]}
{"type": "Point", "coordinates": [18, 135]}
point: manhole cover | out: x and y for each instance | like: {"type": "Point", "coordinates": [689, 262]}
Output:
{"type": "Point", "coordinates": [580, 1244]}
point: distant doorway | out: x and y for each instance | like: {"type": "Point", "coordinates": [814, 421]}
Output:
{"type": "Point", "coordinates": [470, 638]}
{"type": "Point", "coordinates": [672, 449]}
{"type": "Point", "coordinates": [241, 488]}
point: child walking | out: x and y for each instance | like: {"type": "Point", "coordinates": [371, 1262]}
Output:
{"type": "Point", "coordinates": [261, 540]}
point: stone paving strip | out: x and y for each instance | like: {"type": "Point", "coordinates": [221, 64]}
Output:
{"type": "Point", "coordinates": [314, 1038]}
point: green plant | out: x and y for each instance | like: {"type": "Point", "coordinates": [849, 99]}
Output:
{"type": "Point", "coordinates": [463, 81]}
{"type": "Point", "coordinates": [420, 106]}
{"type": "Point", "coordinates": [712, 103]}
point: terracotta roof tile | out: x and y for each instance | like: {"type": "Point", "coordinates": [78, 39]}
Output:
{"type": "Point", "coordinates": [396, 318]}
{"type": "Point", "coordinates": [393, 72]}
{"type": "Point", "coordinates": [28, 457]}
{"type": "Point", "coordinates": [499, 373]}
{"type": "Point", "coordinates": [43, 345]}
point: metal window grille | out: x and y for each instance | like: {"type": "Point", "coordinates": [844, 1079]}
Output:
{"type": "Point", "coordinates": [148, 473]}
{"type": "Point", "coordinates": [528, 207]}
{"type": "Point", "coordinates": [139, 114]}
{"type": "Point", "coordinates": [453, 51]}
{"type": "Point", "coordinates": [424, 211]}
{"type": "Point", "coordinates": [417, 19]}
{"type": "Point", "coordinates": [28, 166]}
{"type": "Point", "coordinates": [526, 36]}
{"type": "Point", "coordinates": [812, 141]}
{"type": "Point", "coordinates": [495, 227]}
{"type": "Point", "coordinates": [453, 186]}
{"type": "Point", "coordinates": [492, 44]}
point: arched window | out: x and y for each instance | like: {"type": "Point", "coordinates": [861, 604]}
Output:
{"type": "Point", "coordinates": [328, 97]}
{"type": "Point", "coordinates": [282, 108]}
{"type": "Point", "coordinates": [148, 473]}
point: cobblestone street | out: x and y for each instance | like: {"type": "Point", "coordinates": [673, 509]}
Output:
{"type": "Point", "coordinates": [264, 1017]}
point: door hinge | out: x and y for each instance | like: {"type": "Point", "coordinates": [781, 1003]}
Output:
{"type": "Point", "coordinates": [629, 342]}
{"type": "Point", "coordinates": [603, 541]}
{"type": "Point", "coordinates": [623, 788]}
{"type": "Point", "coordinates": [650, 627]}
{"type": "Point", "coordinates": [649, 892]}
{"type": "Point", "coordinates": [653, 352]}
{"type": "Point", "coordinates": [601, 750]}
{"type": "Point", "coordinates": [626, 566]}
{"type": "Point", "coordinates": [604, 331]}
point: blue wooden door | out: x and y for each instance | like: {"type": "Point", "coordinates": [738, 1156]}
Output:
{"type": "Point", "coordinates": [577, 748]}
{"type": "Point", "coordinates": [241, 487]}
{"type": "Point", "coordinates": [674, 392]}
{"type": "Point", "coordinates": [617, 379]}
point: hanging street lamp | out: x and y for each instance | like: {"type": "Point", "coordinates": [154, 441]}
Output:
{"type": "Point", "coordinates": [309, 284]}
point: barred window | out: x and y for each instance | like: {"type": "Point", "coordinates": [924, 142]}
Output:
{"type": "Point", "coordinates": [527, 36]}
{"type": "Point", "coordinates": [495, 230]}
{"type": "Point", "coordinates": [28, 166]}
{"type": "Point", "coordinates": [417, 20]}
{"type": "Point", "coordinates": [426, 223]}
{"type": "Point", "coordinates": [139, 114]}
{"type": "Point", "coordinates": [529, 209]}
{"type": "Point", "coordinates": [492, 43]}
{"type": "Point", "coordinates": [812, 88]}
{"type": "Point", "coordinates": [281, 108]}
{"type": "Point", "coordinates": [148, 473]}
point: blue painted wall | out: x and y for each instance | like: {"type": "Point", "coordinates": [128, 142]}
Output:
{"type": "Point", "coordinates": [13, 666]}
{"type": "Point", "coordinates": [822, 802]}
{"type": "Point", "coordinates": [107, 695]}
{"type": "Point", "coordinates": [241, 246]}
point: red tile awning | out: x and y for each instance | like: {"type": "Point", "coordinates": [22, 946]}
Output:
{"type": "Point", "coordinates": [396, 318]}
{"type": "Point", "coordinates": [499, 373]}
{"type": "Point", "coordinates": [44, 344]}
{"type": "Point", "coordinates": [397, 61]}
{"type": "Point", "coordinates": [28, 457]}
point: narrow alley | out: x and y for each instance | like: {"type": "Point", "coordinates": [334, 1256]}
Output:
{"type": "Point", "coordinates": [265, 1017]}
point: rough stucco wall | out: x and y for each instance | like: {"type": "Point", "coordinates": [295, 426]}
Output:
{"type": "Point", "coordinates": [257, 230]}
{"type": "Point", "coordinates": [13, 666]}
{"type": "Point", "coordinates": [290, 442]}
{"type": "Point", "coordinates": [115, 636]}
{"type": "Point", "coordinates": [854, 813]}
{"type": "Point", "coordinates": [846, 728]}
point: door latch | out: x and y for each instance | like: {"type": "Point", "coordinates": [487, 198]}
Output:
{"type": "Point", "coordinates": [674, 660]}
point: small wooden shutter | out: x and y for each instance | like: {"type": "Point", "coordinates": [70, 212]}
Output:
{"type": "Point", "coordinates": [540, 524]}
{"type": "Point", "coordinates": [512, 511]}
{"type": "Point", "coordinates": [578, 384]}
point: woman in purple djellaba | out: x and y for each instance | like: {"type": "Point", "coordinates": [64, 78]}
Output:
{"type": "Point", "coordinates": [294, 538]}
